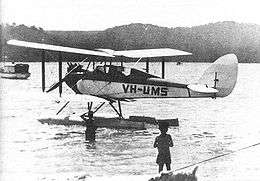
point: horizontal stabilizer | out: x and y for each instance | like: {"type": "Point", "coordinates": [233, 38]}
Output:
{"type": "Point", "coordinates": [202, 88]}
{"type": "Point", "coordinates": [57, 48]}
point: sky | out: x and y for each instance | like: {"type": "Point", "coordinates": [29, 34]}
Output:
{"type": "Point", "coordinates": [88, 15]}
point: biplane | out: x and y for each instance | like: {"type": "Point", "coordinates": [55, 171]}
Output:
{"type": "Point", "coordinates": [118, 83]}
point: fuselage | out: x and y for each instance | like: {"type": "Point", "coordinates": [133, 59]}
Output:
{"type": "Point", "coordinates": [111, 82]}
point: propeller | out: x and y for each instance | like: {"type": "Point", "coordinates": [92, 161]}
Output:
{"type": "Point", "coordinates": [55, 85]}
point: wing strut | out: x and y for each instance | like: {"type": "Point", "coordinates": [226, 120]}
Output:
{"type": "Point", "coordinates": [163, 69]}
{"type": "Point", "coordinates": [60, 73]}
{"type": "Point", "coordinates": [147, 66]}
{"type": "Point", "coordinates": [43, 70]}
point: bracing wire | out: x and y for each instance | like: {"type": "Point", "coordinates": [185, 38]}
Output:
{"type": "Point", "coordinates": [136, 62]}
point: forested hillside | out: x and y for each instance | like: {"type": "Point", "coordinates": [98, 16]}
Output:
{"type": "Point", "coordinates": [206, 42]}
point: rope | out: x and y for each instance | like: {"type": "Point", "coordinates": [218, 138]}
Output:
{"type": "Point", "coordinates": [216, 157]}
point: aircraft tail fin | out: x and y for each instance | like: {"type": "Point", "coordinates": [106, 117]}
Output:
{"type": "Point", "coordinates": [221, 75]}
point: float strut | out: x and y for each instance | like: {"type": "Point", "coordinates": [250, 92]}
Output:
{"type": "Point", "coordinates": [119, 106]}
{"type": "Point", "coordinates": [99, 107]}
{"type": "Point", "coordinates": [120, 110]}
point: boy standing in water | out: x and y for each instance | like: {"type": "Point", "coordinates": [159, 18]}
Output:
{"type": "Point", "coordinates": [163, 142]}
{"type": "Point", "coordinates": [90, 132]}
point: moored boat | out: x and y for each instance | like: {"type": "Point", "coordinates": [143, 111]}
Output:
{"type": "Point", "coordinates": [179, 63]}
{"type": "Point", "coordinates": [15, 71]}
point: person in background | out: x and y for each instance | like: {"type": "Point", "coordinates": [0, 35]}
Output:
{"type": "Point", "coordinates": [163, 142]}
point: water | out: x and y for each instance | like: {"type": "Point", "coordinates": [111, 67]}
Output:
{"type": "Point", "coordinates": [208, 128]}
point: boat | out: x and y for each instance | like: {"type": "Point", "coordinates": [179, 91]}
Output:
{"type": "Point", "coordinates": [179, 63]}
{"type": "Point", "coordinates": [15, 71]}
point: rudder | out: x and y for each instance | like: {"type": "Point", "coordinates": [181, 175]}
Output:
{"type": "Point", "coordinates": [221, 75]}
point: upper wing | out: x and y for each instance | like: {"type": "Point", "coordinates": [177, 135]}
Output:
{"type": "Point", "coordinates": [57, 48]}
{"type": "Point", "coordinates": [143, 53]}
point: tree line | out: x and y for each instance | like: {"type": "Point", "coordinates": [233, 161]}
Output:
{"type": "Point", "coordinates": [205, 42]}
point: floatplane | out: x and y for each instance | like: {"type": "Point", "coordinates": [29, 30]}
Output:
{"type": "Point", "coordinates": [115, 83]}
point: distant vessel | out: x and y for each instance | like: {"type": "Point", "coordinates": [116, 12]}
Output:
{"type": "Point", "coordinates": [179, 63]}
{"type": "Point", "coordinates": [15, 71]}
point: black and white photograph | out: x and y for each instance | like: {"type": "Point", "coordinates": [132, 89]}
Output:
{"type": "Point", "coordinates": [143, 90]}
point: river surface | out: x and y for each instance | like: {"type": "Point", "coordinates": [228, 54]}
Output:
{"type": "Point", "coordinates": [208, 128]}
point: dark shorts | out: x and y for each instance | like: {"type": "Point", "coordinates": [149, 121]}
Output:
{"type": "Point", "coordinates": [163, 159]}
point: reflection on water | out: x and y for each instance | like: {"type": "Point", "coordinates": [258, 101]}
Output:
{"type": "Point", "coordinates": [90, 144]}
{"type": "Point", "coordinates": [208, 127]}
